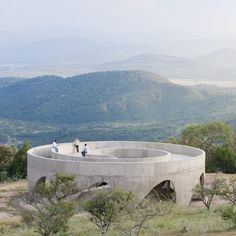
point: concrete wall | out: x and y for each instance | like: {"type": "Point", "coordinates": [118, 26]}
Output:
{"type": "Point", "coordinates": [132, 166]}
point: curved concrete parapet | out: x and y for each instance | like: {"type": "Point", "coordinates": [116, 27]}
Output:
{"type": "Point", "coordinates": [133, 166]}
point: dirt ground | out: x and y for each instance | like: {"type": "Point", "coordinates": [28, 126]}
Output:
{"type": "Point", "coordinates": [10, 191]}
{"type": "Point", "coordinates": [217, 201]}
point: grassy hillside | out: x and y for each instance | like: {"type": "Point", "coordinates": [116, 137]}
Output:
{"type": "Point", "coordinates": [118, 105]}
{"type": "Point", "coordinates": [123, 96]}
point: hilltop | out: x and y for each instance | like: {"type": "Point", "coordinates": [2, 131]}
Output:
{"type": "Point", "coordinates": [217, 65]}
{"type": "Point", "coordinates": [118, 96]}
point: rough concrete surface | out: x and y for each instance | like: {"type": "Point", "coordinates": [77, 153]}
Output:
{"type": "Point", "coordinates": [139, 167]}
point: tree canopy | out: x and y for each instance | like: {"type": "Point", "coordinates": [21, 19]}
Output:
{"type": "Point", "coordinates": [216, 139]}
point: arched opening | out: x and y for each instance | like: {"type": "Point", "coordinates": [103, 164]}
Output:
{"type": "Point", "coordinates": [202, 180]}
{"type": "Point", "coordinates": [37, 185]}
{"type": "Point", "coordinates": [86, 193]}
{"type": "Point", "coordinates": [101, 184]}
{"type": "Point", "coordinates": [163, 191]}
{"type": "Point", "coordinates": [195, 196]}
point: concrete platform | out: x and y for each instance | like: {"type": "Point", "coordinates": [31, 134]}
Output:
{"type": "Point", "coordinates": [139, 167]}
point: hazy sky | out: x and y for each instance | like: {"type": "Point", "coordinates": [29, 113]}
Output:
{"type": "Point", "coordinates": [212, 16]}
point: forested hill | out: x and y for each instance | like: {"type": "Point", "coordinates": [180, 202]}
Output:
{"type": "Point", "coordinates": [6, 81]}
{"type": "Point", "coordinates": [112, 96]}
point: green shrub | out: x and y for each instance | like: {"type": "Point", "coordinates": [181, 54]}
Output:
{"type": "Point", "coordinates": [224, 159]}
{"type": "Point", "coordinates": [6, 156]}
{"type": "Point", "coordinates": [229, 213]}
{"type": "Point", "coordinates": [53, 205]}
{"type": "Point", "coordinates": [106, 207]}
{"type": "Point", "coordinates": [18, 166]}
{"type": "Point", "coordinates": [3, 176]}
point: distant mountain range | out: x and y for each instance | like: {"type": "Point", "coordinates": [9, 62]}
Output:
{"type": "Point", "coordinates": [218, 65]}
{"type": "Point", "coordinates": [67, 50]}
{"type": "Point", "coordinates": [118, 96]}
{"type": "Point", "coordinates": [75, 55]}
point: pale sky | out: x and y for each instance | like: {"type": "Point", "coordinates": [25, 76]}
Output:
{"type": "Point", "coordinates": [212, 16]}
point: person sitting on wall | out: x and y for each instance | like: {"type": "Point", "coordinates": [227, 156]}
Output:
{"type": "Point", "coordinates": [85, 150]}
{"type": "Point", "coordinates": [77, 143]}
{"type": "Point", "coordinates": [54, 145]}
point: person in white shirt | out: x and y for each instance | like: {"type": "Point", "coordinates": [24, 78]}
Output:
{"type": "Point", "coordinates": [77, 143]}
{"type": "Point", "coordinates": [85, 150]}
{"type": "Point", "coordinates": [54, 145]}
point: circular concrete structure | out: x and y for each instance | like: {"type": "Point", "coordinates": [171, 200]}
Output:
{"type": "Point", "coordinates": [132, 166]}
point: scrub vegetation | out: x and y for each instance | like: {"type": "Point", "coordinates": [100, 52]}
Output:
{"type": "Point", "coordinates": [126, 216]}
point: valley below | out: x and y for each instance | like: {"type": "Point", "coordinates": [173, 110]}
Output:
{"type": "Point", "coordinates": [112, 105]}
{"type": "Point", "coordinates": [217, 83]}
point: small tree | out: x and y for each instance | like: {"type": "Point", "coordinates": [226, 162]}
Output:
{"type": "Point", "coordinates": [54, 204]}
{"type": "Point", "coordinates": [59, 188]}
{"type": "Point", "coordinates": [208, 137]}
{"type": "Point", "coordinates": [139, 213]}
{"type": "Point", "coordinates": [106, 207]}
{"type": "Point", "coordinates": [224, 159]}
{"type": "Point", "coordinates": [18, 166]}
{"type": "Point", "coordinates": [53, 218]}
{"type": "Point", "coordinates": [6, 156]}
{"type": "Point", "coordinates": [207, 193]}
{"type": "Point", "coordinates": [228, 191]}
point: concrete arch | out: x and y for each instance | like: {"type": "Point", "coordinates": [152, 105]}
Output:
{"type": "Point", "coordinates": [98, 184]}
{"type": "Point", "coordinates": [128, 165]}
{"type": "Point", "coordinates": [164, 190]}
{"type": "Point", "coordinates": [86, 193]}
{"type": "Point", "coordinates": [197, 197]}
{"type": "Point", "coordinates": [41, 180]}
{"type": "Point", "coordinates": [202, 180]}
